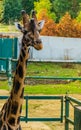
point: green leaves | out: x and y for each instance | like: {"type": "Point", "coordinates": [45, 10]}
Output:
{"type": "Point", "coordinates": [55, 9]}
{"type": "Point", "coordinates": [62, 6]}
{"type": "Point", "coordinates": [44, 5]}
{"type": "Point", "coordinates": [1, 10]}
{"type": "Point", "coordinates": [28, 5]}
{"type": "Point", "coordinates": [78, 18]}
{"type": "Point", "coordinates": [12, 10]}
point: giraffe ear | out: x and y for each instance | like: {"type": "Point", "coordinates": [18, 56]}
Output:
{"type": "Point", "coordinates": [18, 26]}
{"type": "Point", "coordinates": [41, 24]}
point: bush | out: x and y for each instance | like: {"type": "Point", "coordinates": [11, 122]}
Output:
{"type": "Point", "coordinates": [67, 27]}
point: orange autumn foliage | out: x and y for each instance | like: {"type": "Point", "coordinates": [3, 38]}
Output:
{"type": "Point", "coordinates": [43, 15]}
{"type": "Point", "coordinates": [49, 28]}
{"type": "Point", "coordinates": [50, 25]}
{"type": "Point", "coordinates": [67, 27]}
{"type": "Point", "coordinates": [64, 27]}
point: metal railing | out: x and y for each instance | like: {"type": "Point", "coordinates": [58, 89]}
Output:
{"type": "Point", "coordinates": [69, 100]}
{"type": "Point", "coordinates": [8, 70]}
{"type": "Point", "coordinates": [27, 98]}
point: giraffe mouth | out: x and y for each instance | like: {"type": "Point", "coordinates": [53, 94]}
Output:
{"type": "Point", "coordinates": [38, 44]}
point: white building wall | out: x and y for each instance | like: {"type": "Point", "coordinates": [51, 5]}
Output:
{"type": "Point", "coordinates": [57, 48]}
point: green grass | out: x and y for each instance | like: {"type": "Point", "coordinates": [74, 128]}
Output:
{"type": "Point", "coordinates": [51, 69]}
{"type": "Point", "coordinates": [54, 69]}
{"type": "Point", "coordinates": [7, 28]}
{"type": "Point", "coordinates": [71, 88]}
{"type": "Point", "coordinates": [4, 85]}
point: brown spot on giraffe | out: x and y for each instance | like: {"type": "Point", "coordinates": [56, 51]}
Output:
{"type": "Point", "coordinates": [14, 107]}
{"type": "Point", "coordinates": [16, 86]}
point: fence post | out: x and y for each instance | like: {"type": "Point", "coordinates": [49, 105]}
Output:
{"type": "Point", "coordinates": [9, 71]}
{"type": "Point", "coordinates": [66, 113]}
{"type": "Point", "coordinates": [62, 109]}
{"type": "Point", "coordinates": [26, 117]}
{"type": "Point", "coordinates": [77, 117]}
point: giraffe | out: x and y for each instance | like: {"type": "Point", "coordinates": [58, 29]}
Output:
{"type": "Point", "coordinates": [11, 110]}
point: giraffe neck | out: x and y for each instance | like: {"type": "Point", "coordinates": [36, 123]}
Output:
{"type": "Point", "coordinates": [18, 83]}
{"type": "Point", "coordinates": [13, 107]}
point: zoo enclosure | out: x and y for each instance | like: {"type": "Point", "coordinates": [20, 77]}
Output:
{"type": "Point", "coordinates": [27, 98]}
{"type": "Point", "coordinates": [68, 99]}
{"type": "Point", "coordinates": [77, 121]}
{"type": "Point", "coordinates": [8, 69]}
{"type": "Point", "coordinates": [11, 63]}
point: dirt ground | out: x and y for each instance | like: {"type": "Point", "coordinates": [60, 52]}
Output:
{"type": "Point", "coordinates": [42, 108]}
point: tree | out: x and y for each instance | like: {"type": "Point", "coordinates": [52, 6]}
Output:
{"type": "Point", "coordinates": [65, 26]}
{"type": "Point", "coordinates": [28, 5]}
{"type": "Point", "coordinates": [68, 27]}
{"type": "Point", "coordinates": [62, 6]}
{"type": "Point", "coordinates": [78, 18]}
{"type": "Point", "coordinates": [1, 10]}
{"type": "Point", "coordinates": [50, 26]}
{"type": "Point", "coordinates": [12, 10]}
{"type": "Point", "coordinates": [44, 4]}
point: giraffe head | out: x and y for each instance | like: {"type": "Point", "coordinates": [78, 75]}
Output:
{"type": "Point", "coordinates": [31, 29]}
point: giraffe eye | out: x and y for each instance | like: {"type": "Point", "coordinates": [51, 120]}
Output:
{"type": "Point", "coordinates": [25, 32]}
